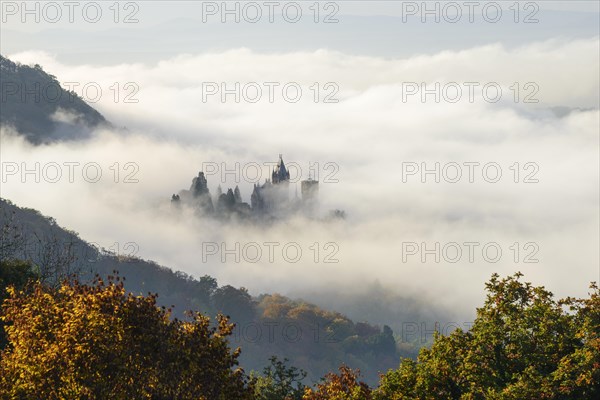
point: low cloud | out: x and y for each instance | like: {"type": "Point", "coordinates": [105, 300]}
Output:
{"type": "Point", "coordinates": [374, 140]}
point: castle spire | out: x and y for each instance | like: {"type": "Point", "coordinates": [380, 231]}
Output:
{"type": "Point", "coordinates": [280, 173]}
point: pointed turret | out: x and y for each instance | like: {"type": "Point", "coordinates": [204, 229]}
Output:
{"type": "Point", "coordinates": [280, 174]}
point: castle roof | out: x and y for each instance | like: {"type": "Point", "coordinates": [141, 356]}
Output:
{"type": "Point", "coordinates": [281, 172]}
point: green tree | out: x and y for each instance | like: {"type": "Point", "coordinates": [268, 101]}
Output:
{"type": "Point", "coordinates": [280, 382]}
{"type": "Point", "coordinates": [578, 374]}
{"type": "Point", "coordinates": [14, 273]}
{"type": "Point", "coordinates": [97, 341]}
{"type": "Point", "coordinates": [522, 345]}
{"type": "Point", "coordinates": [236, 303]}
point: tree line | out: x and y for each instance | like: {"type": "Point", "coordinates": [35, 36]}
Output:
{"type": "Point", "coordinates": [96, 340]}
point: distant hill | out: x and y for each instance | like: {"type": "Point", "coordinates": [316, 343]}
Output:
{"type": "Point", "coordinates": [313, 339]}
{"type": "Point", "coordinates": [35, 104]}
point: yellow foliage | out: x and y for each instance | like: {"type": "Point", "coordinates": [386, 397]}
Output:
{"type": "Point", "coordinates": [99, 342]}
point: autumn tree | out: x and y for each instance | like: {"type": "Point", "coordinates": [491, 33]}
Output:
{"type": "Point", "coordinates": [98, 342]}
{"type": "Point", "coordinates": [345, 386]}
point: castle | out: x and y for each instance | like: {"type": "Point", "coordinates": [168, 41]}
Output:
{"type": "Point", "coordinates": [269, 200]}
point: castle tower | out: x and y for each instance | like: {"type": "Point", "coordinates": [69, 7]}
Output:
{"type": "Point", "coordinates": [199, 185]}
{"type": "Point", "coordinates": [273, 196]}
{"type": "Point", "coordinates": [310, 194]}
{"type": "Point", "coordinates": [279, 193]}
{"type": "Point", "coordinates": [280, 174]}
{"type": "Point", "coordinates": [201, 194]}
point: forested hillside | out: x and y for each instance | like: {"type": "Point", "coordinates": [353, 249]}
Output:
{"type": "Point", "coordinates": [37, 106]}
{"type": "Point", "coordinates": [270, 324]}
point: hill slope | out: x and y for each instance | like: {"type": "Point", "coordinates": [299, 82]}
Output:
{"type": "Point", "coordinates": [35, 104]}
{"type": "Point", "coordinates": [313, 339]}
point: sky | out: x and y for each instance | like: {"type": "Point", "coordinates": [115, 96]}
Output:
{"type": "Point", "coordinates": [456, 149]}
